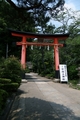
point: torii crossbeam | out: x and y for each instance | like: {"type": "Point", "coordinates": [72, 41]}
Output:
{"type": "Point", "coordinates": [55, 44]}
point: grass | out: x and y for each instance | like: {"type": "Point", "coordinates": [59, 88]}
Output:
{"type": "Point", "coordinates": [74, 84]}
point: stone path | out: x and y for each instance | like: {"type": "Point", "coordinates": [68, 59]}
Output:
{"type": "Point", "coordinates": [42, 99]}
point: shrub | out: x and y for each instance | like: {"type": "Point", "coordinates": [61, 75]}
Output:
{"type": "Point", "coordinates": [10, 87]}
{"type": "Point", "coordinates": [11, 69]}
{"type": "Point", "coordinates": [27, 70]}
{"type": "Point", "coordinates": [1, 86]}
{"type": "Point", "coordinates": [4, 80]}
{"type": "Point", "coordinates": [3, 99]}
{"type": "Point", "coordinates": [49, 76]}
{"type": "Point", "coordinates": [10, 79]}
{"type": "Point", "coordinates": [72, 72]}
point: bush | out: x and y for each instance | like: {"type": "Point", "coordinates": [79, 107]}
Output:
{"type": "Point", "coordinates": [11, 69]}
{"type": "Point", "coordinates": [1, 86]}
{"type": "Point", "coordinates": [49, 76]}
{"type": "Point", "coordinates": [27, 70]}
{"type": "Point", "coordinates": [10, 87]}
{"type": "Point", "coordinates": [72, 72]}
{"type": "Point", "coordinates": [4, 80]}
{"type": "Point", "coordinates": [74, 84]}
{"type": "Point", "coordinates": [3, 99]}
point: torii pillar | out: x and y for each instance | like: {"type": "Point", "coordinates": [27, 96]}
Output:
{"type": "Point", "coordinates": [56, 57]}
{"type": "Point", "coordinates": [23, 51]}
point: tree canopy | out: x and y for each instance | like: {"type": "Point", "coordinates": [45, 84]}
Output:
{"type": "Point", "coordinates": [37, 4]}
{"type": "Point", "coordinates": [37, 8]}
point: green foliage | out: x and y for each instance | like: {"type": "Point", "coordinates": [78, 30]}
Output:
{"type": "Point", "coordinates": [70, 56]}
{"type": "Point", "coordinates": [3, 25]}
{"type": "Point", "coordinates": [38, 8]}
{"type": "Point", "coordinates": [49, 76]}
{"type": "Point", "coordinates": [27, 70]}
{"type": "Point", "coordinates": [72, 72]}
{"type": "Point", "coordinates": [4, 80]}
{"type": "Point", "coordinates": [1, 85]}
{"type": "Point", "coordinates": [74, 84]}
{"type": "Point", "coordinates": [3, 98]}
{"type": "Point", "coordinates": [11, 69]}
{"type": "Point", "coordinates": [10, 18]}
{"type": "Point", "coordinates": [43, 62]}
{"type": "Point", "coordinates": [9, 87]}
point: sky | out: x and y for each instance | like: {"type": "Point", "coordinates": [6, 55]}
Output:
{"type": "Point", "coordinates": [74, 5]}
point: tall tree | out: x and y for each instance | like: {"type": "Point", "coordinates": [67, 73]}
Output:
{"type": "Point", "coordinates": [39, 10]}
{"type": "Point", "coordinates": [36, 6]}
{"type": "Point", "coordinates": [9, 18]}
{"type": "Point", "coordinates": [74, 28]}
{"type": "Point", "coordinates": [65, 18]}
{"type": "Point", "coordinates": [69, 22]}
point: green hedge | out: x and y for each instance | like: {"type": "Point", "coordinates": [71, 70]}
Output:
{"type": "Point", "coordinates": [10, 68]}
{"type": "Point", "coordinates": [3, 99]}
{"type": "Point", "coordinates": [10, 87]}
{"type": "Point", "coordinates": [72, 72]}
{"type": "Point", "coordinates": [10, 78]}
{"type": "Point", "coordinates": [4, 80]}
{"type": "Point", "coordinates": [1, 85]}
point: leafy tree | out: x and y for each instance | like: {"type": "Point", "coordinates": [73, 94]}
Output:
{"type": "Point", "coordinates": [74, 28]}
{"type": "Point", "coordinates": [9, 18]}
{"type": "Point", "coordinates": [50, 29]}
{"type": "Point", "coordinates": [39, 10]}
{"type": "Point", "coordinates": [65, 18]}
{"type": "Point", "coordinates": [23, 16]}
{"type": "Point", "coordinates": [2, 25]}
{"type": "Point", "coordinates": [70, 23]}
{"type": "Point", "coordinates": [38, 6]}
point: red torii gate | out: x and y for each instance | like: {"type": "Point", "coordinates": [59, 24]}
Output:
{"type": "Point", "coordinates": [55, 44]}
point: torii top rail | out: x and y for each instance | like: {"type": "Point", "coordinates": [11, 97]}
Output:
{"type": "Point", "coordinates": [55, 44]}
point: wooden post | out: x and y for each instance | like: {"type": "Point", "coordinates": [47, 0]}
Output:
{"type": "Point", "coordinates": [56, 57]}
{"type": "Point", "coordinates": [23, 53]}
{"type": "Point", "coordinates": [23, 43]}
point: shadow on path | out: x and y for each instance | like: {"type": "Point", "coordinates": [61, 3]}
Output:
{"type": "Point", "coordinates": [27, 108]}
{"type": "Point", "coordinates": [30, 78]}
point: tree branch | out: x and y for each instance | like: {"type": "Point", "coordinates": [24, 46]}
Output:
{"type": "Point", "coordinates": [24, 8]}
{"type": "Point", "coordinates": [60, 2]}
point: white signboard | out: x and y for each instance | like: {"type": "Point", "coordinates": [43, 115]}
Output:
{"type": "Point", "coordinates": [63, 73]}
